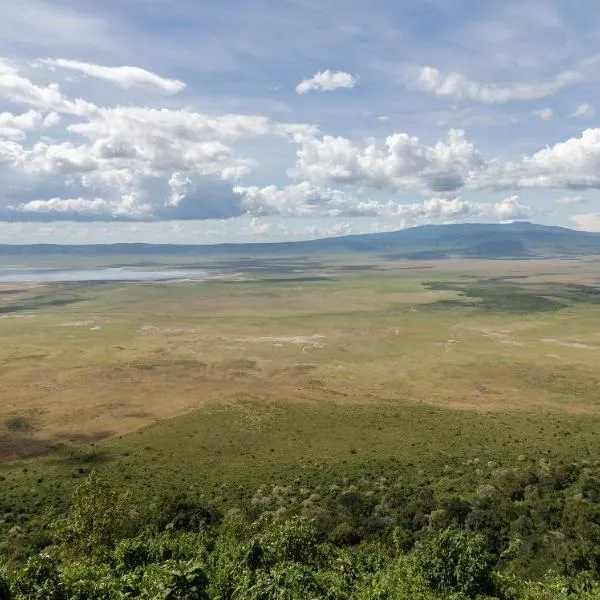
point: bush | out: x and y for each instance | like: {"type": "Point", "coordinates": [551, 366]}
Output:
{"type": "Point", "coordinates": [345, 535]}
{"type": "Point", "coordinates": [185, 514]}
{"type": "Point", "coordinates": [454, 561]}
{"type": "Point", "coordinates": [39, 579]}
{"type": "Point", "coordinates": [295, 541]}
{"type": "Point", "coordinates": [98, 518]}
{"type": "Point", "coordinates": [290, 581]}
{"type": "Point", "coordinates": [131, 554]}
{"type": "Point", "coordinates": [89, 582]}
{"type": "Point", "coordinates": [187, 581]}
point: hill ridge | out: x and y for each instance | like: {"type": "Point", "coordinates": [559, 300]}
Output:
{"type": "Point", "coordinates": [519, 239]}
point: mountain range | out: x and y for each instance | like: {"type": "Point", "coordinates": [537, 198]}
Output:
{"type": "Point", "coordinates": [472, 240]}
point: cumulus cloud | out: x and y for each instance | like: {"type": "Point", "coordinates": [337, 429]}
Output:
{"type": "Point", "coordinates": [545, 114]}
{"type": "Point", "coordinates": [459, 87]}
{"type": "Point", "coordinates": [583, 111]}
{"type": "Point", "coordinates": [303, 199]}
{"type": "Point", "coordinates": [125, 77]}
{"type": "Point", "coordinates": [450, 209]}
{"type": "Point", "coordinates": [142, 162]}
{"type": "Point", "coordinates": [327, 81]}
{"type": "Point", "coordinates": [81, 206]}
{"type": "Point", "coordinates": [509, 209]}
{"type": "Point", "coordinates": [16, 126]}
{"type": "Point", "coordinates": [307, 199]}
{"type": "Point", "coordinates": [295, 130]}
{"type": "Point", "coordinates": [572, 164]}
{"type": "Point", "coordinates": [179, 184]}
{"type": "Point", "coordinates": [404, 163]}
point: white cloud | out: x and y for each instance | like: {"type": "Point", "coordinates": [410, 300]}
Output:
{"type": "Point", "coordinates": [303, 199]}
{"type": "Point", "coordinates": [327, 81]}
{"type": "Point", "coordinates": [571, 200]}
{"type": "Point", "coordinates": [140, 160]}
{"type": "Point", "coordinates": [459, 87]}
{"type": "Point", "coordinates": [448, 210]}
{"type": "Point", "coordinates": [586, 222]}
{"type": "Point", "coordinates": [179, 184]}
{"type": "Point", "coordinates": [574, 163]}
{"type": "Point", "coordinates": [16, 126]}
{"type": "Point", "coordinates": [12, 154]}
{"type": "Point", "coordinates": [181, 124]}
{"type": "Point", "coordinates": [125, 77]}
{"type": "Point", "coordinates": [295, 130]}
{"type": "Point", "coordinates": [545, 114]}
{"type": "Point", "coordinates": [16, 88]}
{"type": "Point", "coordinates": [306, 199]}
{"type": "Point", "coordinates": [583, 111]}
{"type": "Point", "coordinates": [96, 206]}
{"type": "Point", "coordinates": [404, 164]}
{"type": "Point", "coordinates": [509, 209]}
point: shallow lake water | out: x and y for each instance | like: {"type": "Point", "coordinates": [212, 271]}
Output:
{"type": "Point", "coordinates": [69, 275]}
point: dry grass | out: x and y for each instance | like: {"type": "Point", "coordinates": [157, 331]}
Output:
{"type": "Point", "coordinates": [118, 357]}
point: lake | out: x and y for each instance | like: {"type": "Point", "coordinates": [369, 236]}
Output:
{"type": "Point", "coordinates": [98, 274]}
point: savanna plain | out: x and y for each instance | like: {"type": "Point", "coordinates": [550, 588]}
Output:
{"type": "Point", "coordinates": [384, 409]}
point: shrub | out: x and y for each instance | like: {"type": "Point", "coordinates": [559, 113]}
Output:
{"type": "Point", "coordinates": [185, 514]}
{"type": "Point", "coordinates": [187, 581]}
{"type": "Point", "coordinates": [131, 554]}
{"type": "Point", "coordinates": [98, 518]}
{"type": "Point", "coordinates": [287, 581]}
{"type": "Point", "coordinates": [454, 561]}
{"type": "Point", "coordinates": [39, 579]}
{"type": "Point", "coordinates": [295, 541]}
{"type": "Point", "coordinates": [88, 582]}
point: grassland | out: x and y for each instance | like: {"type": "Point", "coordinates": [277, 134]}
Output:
{"type": "Point", "coordinates": [285, 369]}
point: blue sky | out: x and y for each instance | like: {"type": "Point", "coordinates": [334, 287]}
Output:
{"type": "Point", "coordinates": [195, 121]}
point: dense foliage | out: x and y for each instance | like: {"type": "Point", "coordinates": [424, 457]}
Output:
{"type": "Point", "coordinates": [532, 531]}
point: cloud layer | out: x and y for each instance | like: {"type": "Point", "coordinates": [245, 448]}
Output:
{"type": "Point", "coordinates": [68, 157]}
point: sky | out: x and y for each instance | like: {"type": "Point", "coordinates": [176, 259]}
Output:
{"type": "Point", "coordinates": [195, 121]}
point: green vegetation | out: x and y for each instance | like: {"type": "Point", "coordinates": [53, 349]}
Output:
{"type": "Point", "coordinates": [500, 295]}
{"type": "Point", "coordinates": [374, 539]}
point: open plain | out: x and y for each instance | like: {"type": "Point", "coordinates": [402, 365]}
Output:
{"type": "Point", "coordinates": [277, 368]}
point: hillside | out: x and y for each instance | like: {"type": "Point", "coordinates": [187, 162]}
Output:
{"type": "Point", "coordinates": [514, 240]}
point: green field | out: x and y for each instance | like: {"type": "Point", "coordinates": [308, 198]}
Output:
{"type": "Point", "coordinates": [309, 373]}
